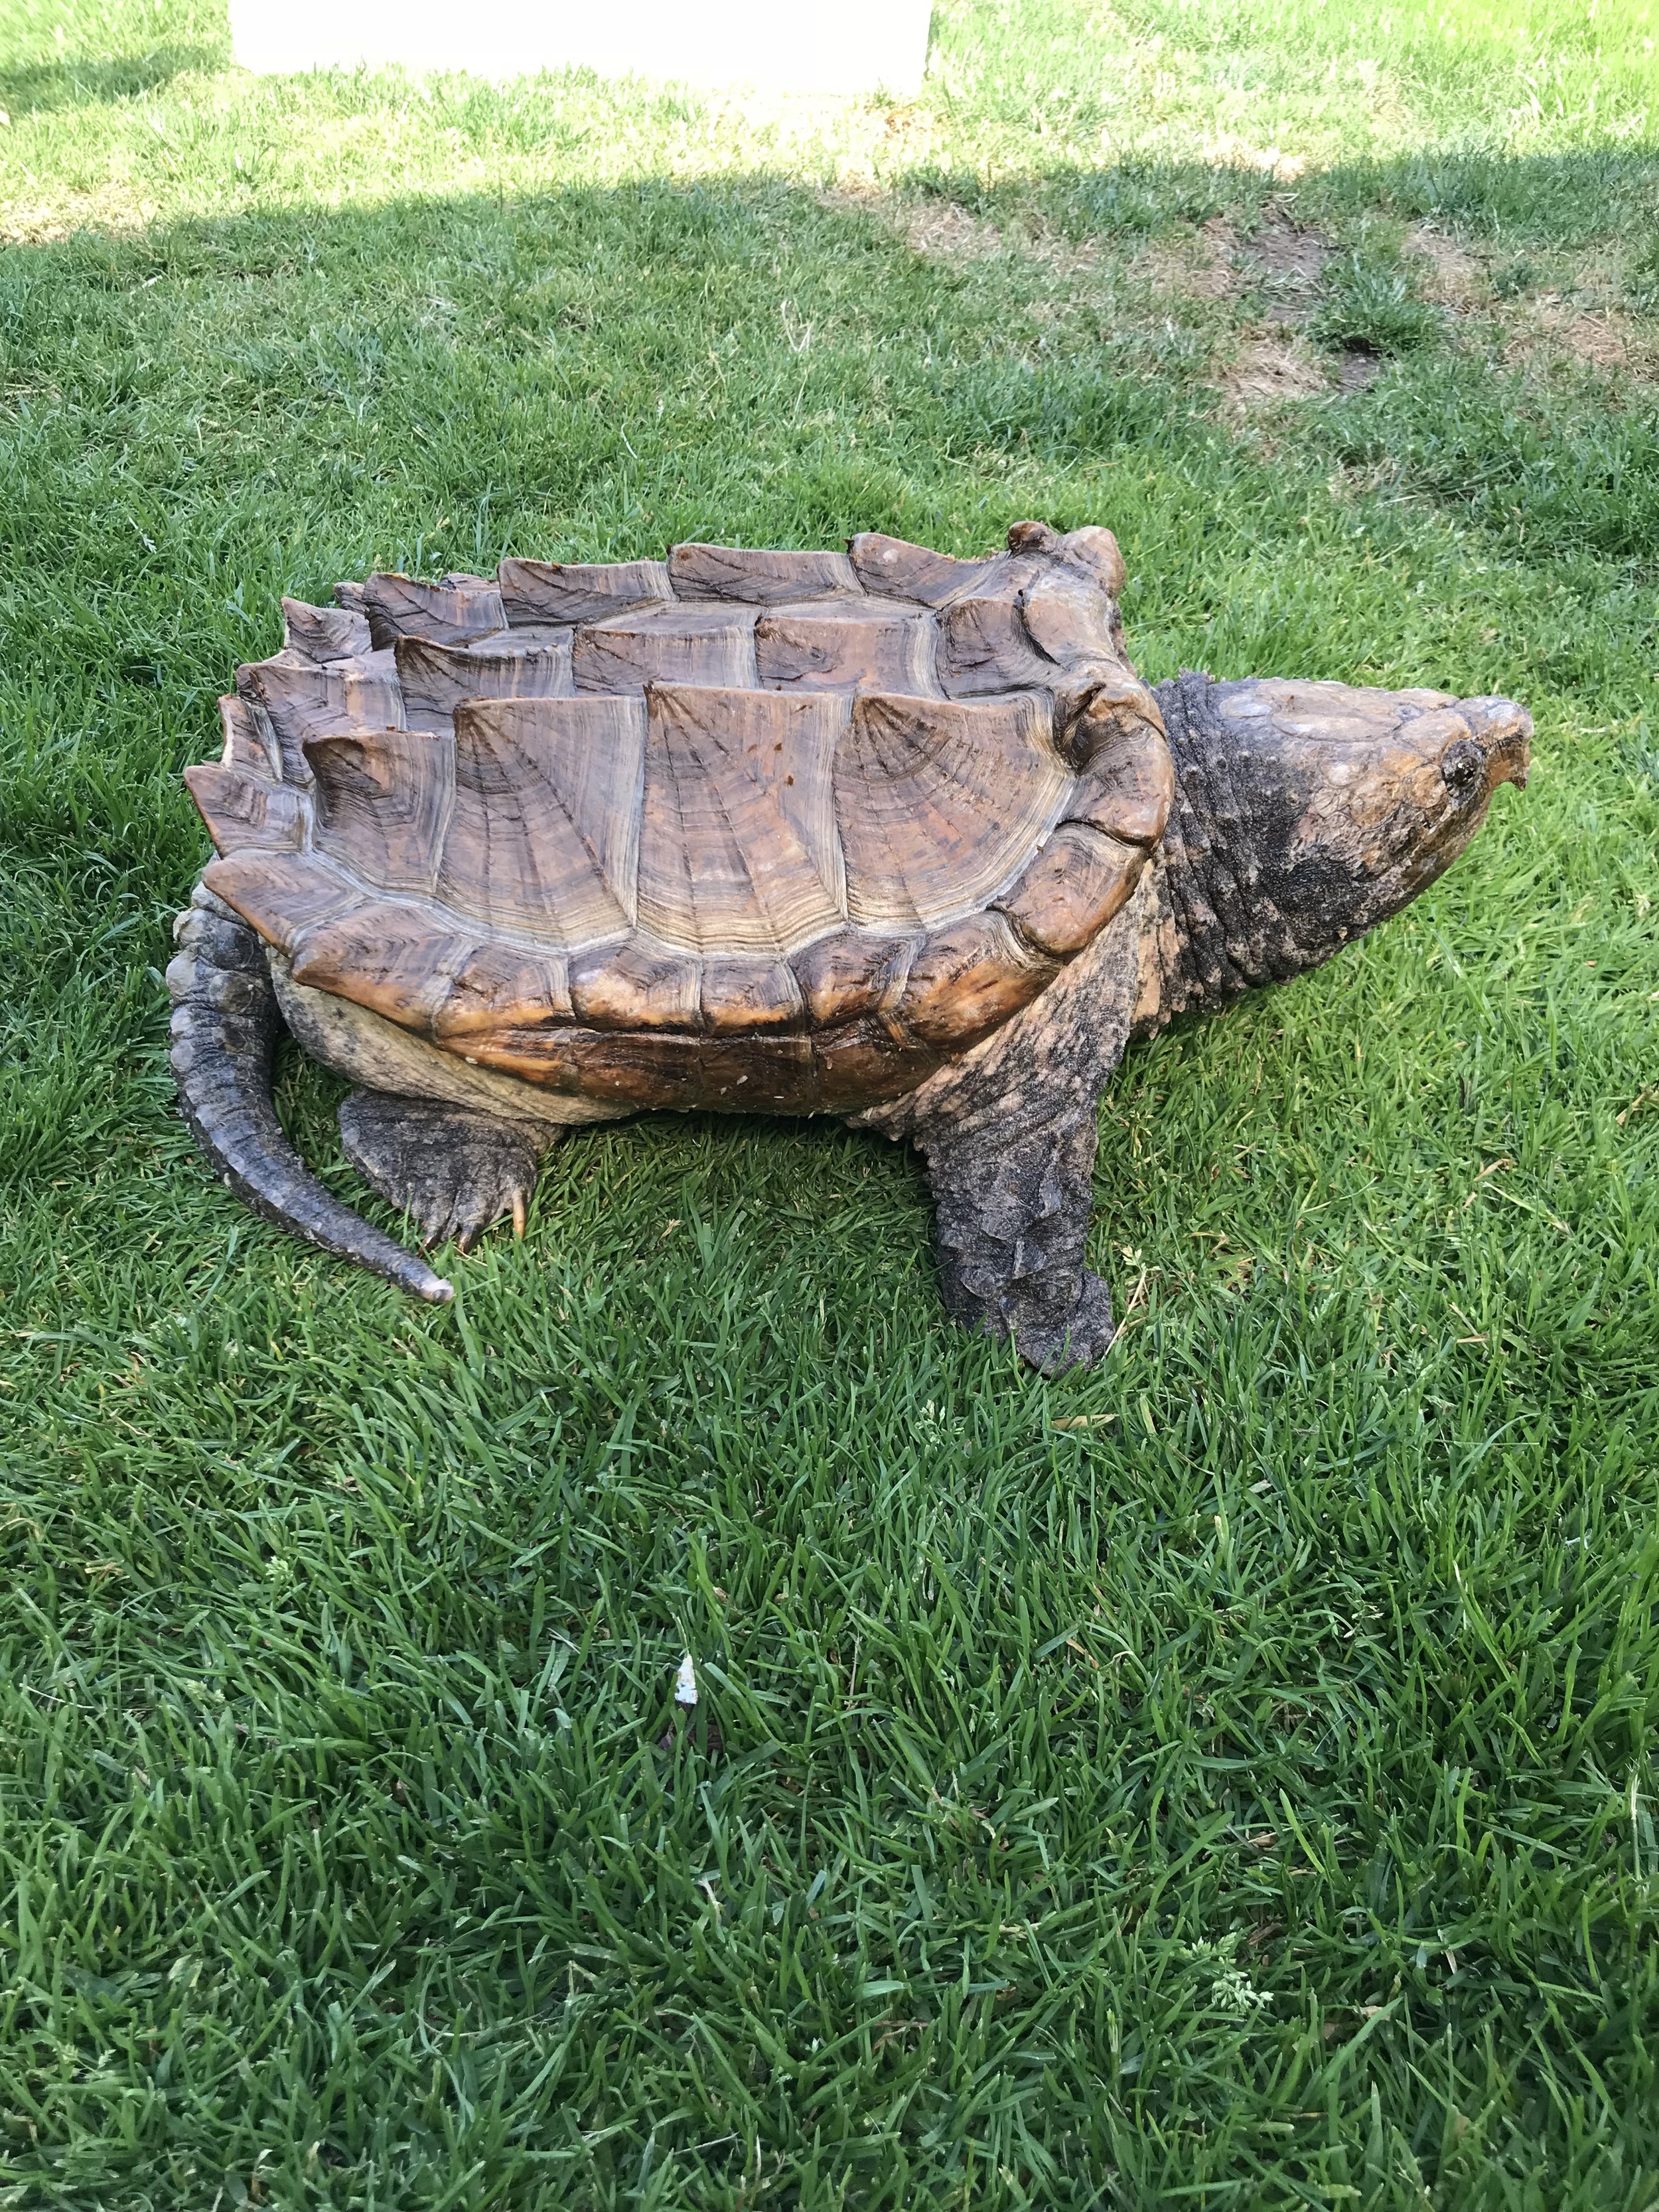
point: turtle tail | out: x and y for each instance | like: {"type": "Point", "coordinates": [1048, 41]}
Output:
{"type": "Point", "coordinates": [225, 1025]}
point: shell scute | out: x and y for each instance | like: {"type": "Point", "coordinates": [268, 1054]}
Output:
{"type": "Point", "coordinates": [383, 797]}
{"type": "Point", "coordinates": [940, 803]}
{"type": "Point", "coordinates": [711, 645]}
{"type": "Point", "coordinates": [969, 978]}
{"type": "Point", "coordinates": [890, 650]}
{"type": "Point", "coordinates": [640, 1068]}
{"type": "Point", "coordinates": [305, 699]}
{"type": "Point", "coordinates": [454, 609]}
{"type": "Point", "coordinates": [632, 985]}
{"type": "Point", "coordinates": [502, 986]}
{"type": "Point", "coordinates": [392, 957]}
{"type": "Point", "coordinates": [863, 1063]}
{"type": "Point", "coordinates": [760, 578]}
{"type": "Point", "coordinates": [1071, 890]}
{"type": "Point", "coordinates": [739, 996]}
{"type": "Point", "coordinates": [854, 973]}
{"type": "Point", "coordinates": [282, 894]}
{"type": "Point", "coordinates": [544, 830]}
{"type": "Point", "coordinates": [522, 638]}
{"type": "Point", "coordinates": [1068, 615]}
{"type": "Point", "coordinates": [1095, 549]}
{"type": "Point", "coordinates": [748, 1074]}
{"type": "Point", "coordinates": [1127, 785]}
{"type": "Point", "coordinates": [894, 569]}
{"type": "Point", "coordinates": [325, 634]}
{"type": "Point", "coordinates": [756, 1075]}
{"type": "Point", "coordinates": [436, 680]}
{"type": "Point", "coordinates": [243, 810]}
{"type": "Point", "coordinates": [986, 650]}
{"type": "Point", "coordinates": [579, 590]}
{"type": "Point", "coordinates": [249, 741]}
{"type": "Point", "coordinates": [738, 847]}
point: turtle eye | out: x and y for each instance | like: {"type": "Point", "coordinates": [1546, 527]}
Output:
{"type": "Point", "coordinates": [1463, 767]}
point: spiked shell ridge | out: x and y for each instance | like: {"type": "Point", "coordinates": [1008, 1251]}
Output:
{"type": "Point", "coordinates": [741, 829]}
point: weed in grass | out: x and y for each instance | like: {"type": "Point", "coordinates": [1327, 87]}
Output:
{"type": "Point", "coordinates": [1642, 274]}
{"type": "Point", "coordinates": [1516, 279]}
{"type": "Point", "coordinates": [1372, 307]}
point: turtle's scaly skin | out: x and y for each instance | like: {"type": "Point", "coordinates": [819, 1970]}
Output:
{"type": "Point", "coordinates": [886, 835]}
{"type": "Point", "coordinates": [742, 830]}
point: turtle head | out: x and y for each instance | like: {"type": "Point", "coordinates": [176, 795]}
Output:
{"type": "Point", "coordinates": [1309, 812]}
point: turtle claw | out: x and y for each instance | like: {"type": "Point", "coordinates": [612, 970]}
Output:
{"type": "Point", "coordinates": [455, 1172]}
{"type": "Point", "coordinates": [1054, 1340]}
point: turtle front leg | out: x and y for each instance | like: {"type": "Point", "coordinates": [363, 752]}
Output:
{"type": "Point", "coordinates": [1012, 1203]}
{"type": "Point", "coordinates": [1009, 1135]}
{"type": "Point", "coordinates": [454, 1171]}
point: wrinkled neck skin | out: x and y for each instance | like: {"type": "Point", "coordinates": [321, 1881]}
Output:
{"type": "Point", "coordinates": [1214, 930]}
{"type": "Point", "coordinates": [1303, 815]}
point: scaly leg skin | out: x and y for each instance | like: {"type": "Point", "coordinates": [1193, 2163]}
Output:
{"type": "Point", "coordinates": [1012, 1212]}
{"type": "Point", "coordinates": [454, 1170]}
{"type": "Point", "coordinates": [1009, 1134]}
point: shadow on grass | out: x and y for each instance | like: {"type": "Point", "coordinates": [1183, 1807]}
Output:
{"type": "Point", "coordinates": [47, 85]}
{"type": "Point", "coordinates": [615, 366]}
{"type": "Point", "coordinates": [1562, 198]}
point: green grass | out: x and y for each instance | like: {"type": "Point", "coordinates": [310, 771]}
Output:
{"type": "Point", "coordinates": [1245, 1798]}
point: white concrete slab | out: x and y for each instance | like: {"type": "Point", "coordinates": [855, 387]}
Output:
{"type": "Point", "coordinates": [785, 46]}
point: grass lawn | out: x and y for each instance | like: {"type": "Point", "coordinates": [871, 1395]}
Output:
{"type": "Point", "coordinates": [1223, 1779]}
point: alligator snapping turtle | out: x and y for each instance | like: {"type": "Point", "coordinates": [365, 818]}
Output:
{"type": "Point", "coordinates": [886, 835]}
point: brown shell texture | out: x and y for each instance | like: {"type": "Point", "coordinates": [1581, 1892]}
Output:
{"type": "Point", "coordinates": [740, 829]}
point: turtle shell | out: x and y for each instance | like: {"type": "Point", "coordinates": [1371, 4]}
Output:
{"type": "Point", "coordinates": [739, 829]}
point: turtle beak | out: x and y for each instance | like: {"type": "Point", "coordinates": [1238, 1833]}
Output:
{"type": "Point", "coordinates": [1498, 749]}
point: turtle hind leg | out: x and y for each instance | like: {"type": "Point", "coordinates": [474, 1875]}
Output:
{"type": "Point", "coordinates": [454, 1170]}
{"type": "Point", "coordinates": [1012, 1207]}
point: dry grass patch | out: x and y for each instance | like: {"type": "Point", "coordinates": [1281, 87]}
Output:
{"type": "Point", "coordinates": [1560, 310]}
{"type": "Point", "coordinates": [942, 231]}
{"type": "Point", "coordinates": [1575, 313]}
{"type": "Point", "coordinates": [1456, 277]}
{"type": "Point", "coordinates": [1269, 368]}
{"type": "Point", "coordinates": [115, 209]}
{"type": "Point", "coordinates": [1593, 336]}
{"type": "Point", "coordinates": [1288, 260]}
{"type": "Point", "coordinates": [1193, 265]}
{"type": "Point", "coordinates": [946, 232]}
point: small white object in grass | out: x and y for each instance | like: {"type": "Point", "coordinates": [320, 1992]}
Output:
{"type": "Point", "coordinates": [686, 1682]}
